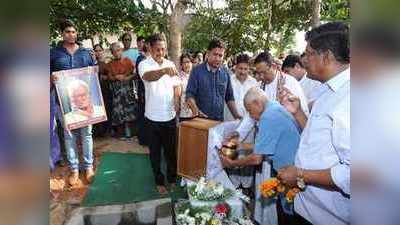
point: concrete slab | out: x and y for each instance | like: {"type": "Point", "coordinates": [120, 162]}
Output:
{"type": "Point", "coordinates": [142, 213]}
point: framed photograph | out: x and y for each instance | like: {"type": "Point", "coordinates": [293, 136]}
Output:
{"type": "Point", "coordinates": [80, 97]}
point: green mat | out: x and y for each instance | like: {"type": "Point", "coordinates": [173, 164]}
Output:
{"type": "Point", "coordinates": [123, 178]}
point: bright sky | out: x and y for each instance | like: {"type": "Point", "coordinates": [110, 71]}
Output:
{"type": "Point", "coordinates": [300, 43]}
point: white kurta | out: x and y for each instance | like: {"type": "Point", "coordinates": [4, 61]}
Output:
{"type": "Point", "coordinates": [265, 209]}
{"type": "Point", "coordinates": [239, 91]}
{"type": "Point", "coordinates": [244, 175]}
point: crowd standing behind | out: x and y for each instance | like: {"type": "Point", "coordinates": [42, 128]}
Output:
{"type": "Point", "coordinates": [296, 109]}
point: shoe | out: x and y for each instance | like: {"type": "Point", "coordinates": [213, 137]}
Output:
{"type": "Point", "coordinates": [89, 175]}
{"type": "Point", "coordinates": [73, 178]}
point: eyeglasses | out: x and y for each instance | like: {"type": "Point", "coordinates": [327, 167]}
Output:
{"type": "Point", "coordinates": [127, 40]}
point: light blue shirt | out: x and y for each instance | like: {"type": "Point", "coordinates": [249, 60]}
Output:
{"type": "Point", "coordinates": [278, 136]}
{"type": "Point", "coordinates": [132, 54]}
{"type": "Point", "coordinates": [325, 144]}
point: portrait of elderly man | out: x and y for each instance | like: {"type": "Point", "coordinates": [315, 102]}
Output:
{"type": "Point", "coordinates": [82, 107]}
{"type": "Point", "coordinates": [276, 143]}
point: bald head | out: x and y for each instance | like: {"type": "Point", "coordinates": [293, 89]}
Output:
{"type": "Point", "coordinates": [255, 101]}
{"type": "Point", "coordinates": [255, 93]}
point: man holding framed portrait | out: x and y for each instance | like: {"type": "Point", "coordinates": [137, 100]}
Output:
{"type": "Point", "coordinates": [66, 56]}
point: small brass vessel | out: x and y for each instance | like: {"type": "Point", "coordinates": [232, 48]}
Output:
{"type": "Point", "coordinates": [230, 152]}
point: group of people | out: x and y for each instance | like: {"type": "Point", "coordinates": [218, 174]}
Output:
{"type": "Point", "coordinates": [302, 130]}
{"type": "Point", "coordinates": [297, 112]}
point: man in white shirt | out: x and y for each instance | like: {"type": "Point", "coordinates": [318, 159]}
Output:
{"type": "Point", "coordinates": [241, 83]}
{"type": "Point", "coordinates": [161, 83]}
{"type": "Point", "coordinates": [322, 164]}
{"type": "Point", "coordinates": [292, 65]}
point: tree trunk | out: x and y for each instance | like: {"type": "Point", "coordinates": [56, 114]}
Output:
{"type": "Point", "coordinates": [176, 27]}
{"type": "Point", "coordinates": [269, 27]}
{"type": "Point", "coordinates": [316, 11]}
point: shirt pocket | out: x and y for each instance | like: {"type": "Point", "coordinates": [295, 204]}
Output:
{"type": "Point", "coordinates": [62, 63]}
{"type": "Point", "coordinates": [81, 61]}
{"type": "Point", "coordinates": [221, 87]}
{"type": "Point", "coordinates": [320, 129]}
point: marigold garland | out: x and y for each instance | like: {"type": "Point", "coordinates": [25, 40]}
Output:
{"type": "Point", "coordinates": [271, 187]}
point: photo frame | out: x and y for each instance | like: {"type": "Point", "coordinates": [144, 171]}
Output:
{"type": "Point", "coordinates": [80, 97]}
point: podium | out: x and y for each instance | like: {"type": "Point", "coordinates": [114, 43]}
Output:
{"type": "Point", "coordinates": [192, 147]}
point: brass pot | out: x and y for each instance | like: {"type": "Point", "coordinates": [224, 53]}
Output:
{"type": "Point", "coordinates": [229, 152]}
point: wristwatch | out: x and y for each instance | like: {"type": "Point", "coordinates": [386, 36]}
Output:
{"type": "Point", "coordinates": [300, 179]}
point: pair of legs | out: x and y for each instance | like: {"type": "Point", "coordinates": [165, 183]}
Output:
{"type": "Point", "coordinates": [141, 126]}
{"type": "Point", "coordinates": [125, 130]}
{"type": "Point", "coordinates": [162, 135]}
{"type": "Point", "coordinates": [70, 139]}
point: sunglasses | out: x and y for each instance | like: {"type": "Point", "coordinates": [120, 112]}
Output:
{"type": "Point", "coordinates": [127, 39]}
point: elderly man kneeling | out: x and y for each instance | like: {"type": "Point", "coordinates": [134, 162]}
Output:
{"type": "Point", "coordinates": [276, 143]}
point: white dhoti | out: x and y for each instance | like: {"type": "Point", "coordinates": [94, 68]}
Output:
{"type": "Point", "coordinates": [265, 209]}
{"type": "Point", "coordinates": [242, 176]}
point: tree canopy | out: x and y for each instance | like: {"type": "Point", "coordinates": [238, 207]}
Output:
{"type": "Point", "coordinates": [245, 25]}
{"type": "Point", "coordinates": [103, 16]}
{"type": "Point", "coordinates": [251, 25]}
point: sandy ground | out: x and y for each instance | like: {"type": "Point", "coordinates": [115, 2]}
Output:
{"type": "Point", "coordinates": [63, 197]}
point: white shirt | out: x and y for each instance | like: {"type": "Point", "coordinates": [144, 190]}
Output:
{"type": "Point", "coordinates": [309, 86]}
{"type": "Point", "coordinates": [270, 89]}
{"type": "Point", "coordinates": [159, 94]}
{"type": "Point", "coordinates": [239, 90]}
{"type": "Point", "coordinates": [186, 112]}
{"type": "Point", "coordinates": [325, 143]}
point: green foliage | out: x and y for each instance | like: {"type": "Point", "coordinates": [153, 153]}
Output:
{"type": "Point", "coordinates": [334, 10]}
{"type": "Point", "coordinates": [248, 25]}
{"type": "Point", "coordinates": [245, 25]}
{"type": "Point", "coordinates": [103, 16]}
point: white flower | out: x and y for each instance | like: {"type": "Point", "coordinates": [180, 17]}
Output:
{"type": "Point", "coordinates": [183, 219]}
{"type": "Point", "coordinates": [207, 190]}
{"type": "Point", "coordinates": [219, 190]}
{"type": "Point", "coordinates": [244, 221]}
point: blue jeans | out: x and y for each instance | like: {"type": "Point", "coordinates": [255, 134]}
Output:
{"type": "Point", "coordinates": [85, 133]}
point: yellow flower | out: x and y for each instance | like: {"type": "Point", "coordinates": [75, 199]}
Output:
{"type": "Point", "coordinates": [291, 194]}
{"type": "Point", "coordinates": [215, 222]}
{"type": "Point", "coordinates": [269, 187]}
{"type": "Point", "coordinates": [281, 188]}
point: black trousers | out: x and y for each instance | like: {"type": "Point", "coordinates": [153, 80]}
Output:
{"type": "Point", "coordinates": [162, 135]}
{"type": "Point", "coordinates": [141, 125]}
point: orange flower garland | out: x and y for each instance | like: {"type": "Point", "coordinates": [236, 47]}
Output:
{"type": "Point", "coordinates": [271, 187]}
{"type": "Point", "coordinates": [291, 194]}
